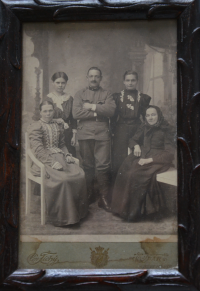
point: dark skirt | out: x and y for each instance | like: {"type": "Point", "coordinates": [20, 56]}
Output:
{"type": "Point", "coordinates": [65, 194]}
{"type": "Point", "coordinates": [123, 132]}
{"type": "Point", "coordinates": [136, 190]}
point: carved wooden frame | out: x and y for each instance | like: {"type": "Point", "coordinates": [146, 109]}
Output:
{"type": "Point", "coordinates": [12, 14]}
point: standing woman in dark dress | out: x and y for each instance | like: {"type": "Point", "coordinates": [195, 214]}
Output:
{"type": "Point", "coordinates": [131, 104]}
{"type": "Point", "coordinates": [136, 188]}
{"type": "Point", "coordinates": [63, 103]}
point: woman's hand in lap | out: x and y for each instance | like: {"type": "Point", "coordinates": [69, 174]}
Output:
{"type": "Point", "coordinates": [143, 162]}
{"type": "Point", "coordinates": [137, 151]}
{"type": "Point", "coordinates": [70, 160]}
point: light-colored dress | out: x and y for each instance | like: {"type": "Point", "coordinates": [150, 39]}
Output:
{"type": "Point", "coordinates": [65, 191]}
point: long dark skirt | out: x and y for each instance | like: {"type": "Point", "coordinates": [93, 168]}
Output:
{"type": "Point", "coordinates": [65, 194]}
{"type": "Point", "coordinates": [123, 132]}
{"type": "Point", "coordinates": [132, 186]}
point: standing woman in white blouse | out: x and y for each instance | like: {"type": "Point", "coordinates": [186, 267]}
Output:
{"type": "Point", "coordinates": [63, 103]}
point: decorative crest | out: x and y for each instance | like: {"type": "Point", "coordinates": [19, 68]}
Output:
{"type": "Point", "coordinates": [99, 258]}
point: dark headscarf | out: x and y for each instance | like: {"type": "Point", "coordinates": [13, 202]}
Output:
{"type": "Point", "coordinates": [149, 129]}
{"type": "Point", "coordinates": [146, 130]}
{"type": "Point", "coordinates": [161, 121]}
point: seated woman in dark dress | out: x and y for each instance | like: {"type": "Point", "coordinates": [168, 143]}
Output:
{"type": "Point", "coordinates": [153, 151]}
{"type": "Point", "coordinates": [64, 186]}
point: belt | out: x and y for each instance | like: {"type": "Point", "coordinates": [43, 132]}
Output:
{"type": "Point", "coordinates": [99, 119]}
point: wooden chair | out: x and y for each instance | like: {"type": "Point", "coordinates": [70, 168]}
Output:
{"type": "Point", "coordinates": [169, 177]}
{"type": "Point", "coordinates": [30, 158]}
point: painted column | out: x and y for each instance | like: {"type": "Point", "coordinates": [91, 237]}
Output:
{"type": "Point", "coordinates": [137, 56]}
{"type": "Point", "coordinates": [36, 115]}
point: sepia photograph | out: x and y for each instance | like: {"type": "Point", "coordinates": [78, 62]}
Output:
{"type": "Point", "coordinates": [98, 151]}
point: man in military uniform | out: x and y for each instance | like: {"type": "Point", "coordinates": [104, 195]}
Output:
{"type": "Point", "coordinates": [93, 106]}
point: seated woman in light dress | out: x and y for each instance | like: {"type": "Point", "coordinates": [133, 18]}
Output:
{"type": "Point", "coordinates": [136, 190]}
{"type": "Point", "coordinates": [63, 103]}
{"type": "Point", "coordinates": [65, 186]}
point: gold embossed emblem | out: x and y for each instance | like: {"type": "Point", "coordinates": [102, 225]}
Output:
{"type": "Point", "coordinates": [99, 258]}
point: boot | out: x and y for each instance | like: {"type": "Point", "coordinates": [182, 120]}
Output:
{"type": "Point", "coordinates": [103, 203]}
{"type": "Point", "coordinates": [104, 183]}
{"type": "Point", "coordinates": [89, 176]}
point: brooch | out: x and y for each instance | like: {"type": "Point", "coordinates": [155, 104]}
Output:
{"type": "Point", "coordinates": [130, 98]}
{"type": "Point", "coordinates": [130, 106]}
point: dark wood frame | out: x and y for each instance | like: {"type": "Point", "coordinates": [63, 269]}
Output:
{"type": "Point", "coordinates": [12, 14]}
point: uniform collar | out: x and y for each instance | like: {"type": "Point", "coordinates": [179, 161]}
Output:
{"type": "Point", "coordinates": [94, 89]}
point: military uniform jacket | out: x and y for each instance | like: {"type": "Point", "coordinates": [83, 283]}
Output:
{"type": "Point", "coordinates": [91, 126]}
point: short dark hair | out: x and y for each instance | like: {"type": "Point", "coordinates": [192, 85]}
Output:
{"type": "Point", "coordinates": [59, 75]}
{"type": "Point", "coordinates": [130, 72]}
{"type": "Point", "coordinates": [46, 102]}
{"type": "Point", "coordinates": [95, 68]}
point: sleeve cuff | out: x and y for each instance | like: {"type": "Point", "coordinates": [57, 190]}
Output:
{"type": "Point", "coordinates": [66, 126]}
{"type": "Point", "coordinates": [68, 154]}
{"type": "Point", "coordinates": [94, 107]}
{"type": "Point", "coordinates": [95, 114]}
{"type": "Point", "coordinates": [74, 130]}
{"type": "Point", "coordinates": [54, 165]}
{"type": "Point", "coordinates": [132, 143]}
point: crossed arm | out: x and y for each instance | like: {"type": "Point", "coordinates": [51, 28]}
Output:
{"type": "Point", "coordinates": [87, 110]}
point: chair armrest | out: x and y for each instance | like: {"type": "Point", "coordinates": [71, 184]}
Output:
{"type": "Point", "coordinates": [33, 158]}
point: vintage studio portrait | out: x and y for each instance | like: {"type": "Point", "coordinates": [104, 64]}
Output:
{"type": "Point", "coordinates": [98, 152]}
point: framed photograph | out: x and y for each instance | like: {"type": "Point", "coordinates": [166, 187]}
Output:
{"type": "Point", "coordinates": [100, 144]}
